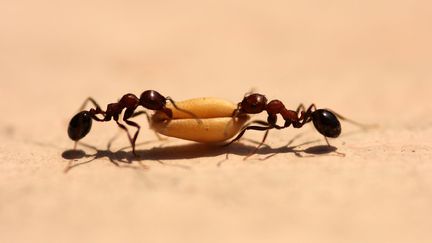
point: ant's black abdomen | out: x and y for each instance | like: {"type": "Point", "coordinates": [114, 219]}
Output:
{"type": "Point", "coordinates": [326, 123]}
{"type": "Point", "coordinates": [79, 125]}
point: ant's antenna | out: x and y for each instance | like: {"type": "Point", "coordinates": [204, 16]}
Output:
{"type": "Point", "coordinates": [183, 110]}
{"type": "Point", "coordinates": [362, 125]}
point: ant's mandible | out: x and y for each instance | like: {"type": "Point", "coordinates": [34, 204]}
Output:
{"type": "Point", "coordinates": [80, 124]}
{"type": "Point", "coordinates": [325, 121]}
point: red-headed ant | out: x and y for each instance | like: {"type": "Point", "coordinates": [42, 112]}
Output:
{"type": "Point", "coordinates": [80, 124]}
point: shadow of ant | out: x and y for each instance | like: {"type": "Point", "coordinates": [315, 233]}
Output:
{"type": "Point", "coordinates": [119, 158]}
{"type": "Point", "coordinates": [116, 158]}
{"type": "Point", "coordinates": [124, 159]}
{"type": "Point", "coordinates": [312, 151]}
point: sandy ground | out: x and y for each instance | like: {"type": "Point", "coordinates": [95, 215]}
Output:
{"type": "Point", "coordinates": [368, 60]}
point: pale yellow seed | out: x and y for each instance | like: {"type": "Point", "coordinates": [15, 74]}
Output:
{"type": "Point", "coordinates": [205, 107]}
{"type": "Point", "coordinates": [215, 121]}
{"type": "Point", "coordinates": [210, 130]}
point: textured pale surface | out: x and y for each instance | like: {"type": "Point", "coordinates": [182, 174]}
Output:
{"type": "Point", "coordinates": [368, 60]}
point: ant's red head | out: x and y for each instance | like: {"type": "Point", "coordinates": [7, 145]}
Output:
{"type": "Point", "coordinates": [152, 100]}
{"type": "Point", "coordinates": [253, 104]}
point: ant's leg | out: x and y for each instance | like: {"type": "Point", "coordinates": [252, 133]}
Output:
{"type": "Point", "coordinates": [259, 145]}
{"type": "Point", "coordinates": [128, 114]}
{"type": "Point", "coordinates": [127, 132]}
{"type": "Point", "coordinates": [306, 116]}
{"type": "Point", "coordinates": [93, 111]}
{"type": "Point", "coordinates": [149, 121]}
{"type": "Point", "coordinates": [264, 123]}
{"type": "Point", "coordinates": [260, 122]}
{"type": "Point", "coordinates": [91, 100]}
{"type": "Point", "coordinates": [183, 110]}
{"type": "Point", "coordinates": [264, 137]}
{"type": "Point", "coordinates": [301, 108]}
{"type": "Point", "coordinates": [327, 141]}
{"type": "Point", "coordinates": [124, 128]}
{"type": "Point", "coordinates": [131, 123]}
{"type": "Point", "coordinates": [258, 128]}
{"type": "Point", "coordinates": [97, 111]}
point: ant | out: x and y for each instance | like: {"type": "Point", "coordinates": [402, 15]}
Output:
{"type": "Point", "coordinates": [80, 124]}
{"type": "Point", "coordinates": [325, 121]}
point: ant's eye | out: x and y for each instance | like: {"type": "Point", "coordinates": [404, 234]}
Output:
{"type": "Point", "coordinates": [254, 103]}
{"type": "Point", "coordinates": [326, 123]}
{"type": "Point", "coordinates": [79, 125]}
{"type": "Point", "coordinates": [152, 100]}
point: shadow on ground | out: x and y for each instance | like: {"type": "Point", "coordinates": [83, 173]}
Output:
{"type": "Point", "coordinates": [123, 158]}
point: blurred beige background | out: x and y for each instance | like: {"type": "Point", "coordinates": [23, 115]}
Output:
{"type": "Point", "coordinates": [368, 60]}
